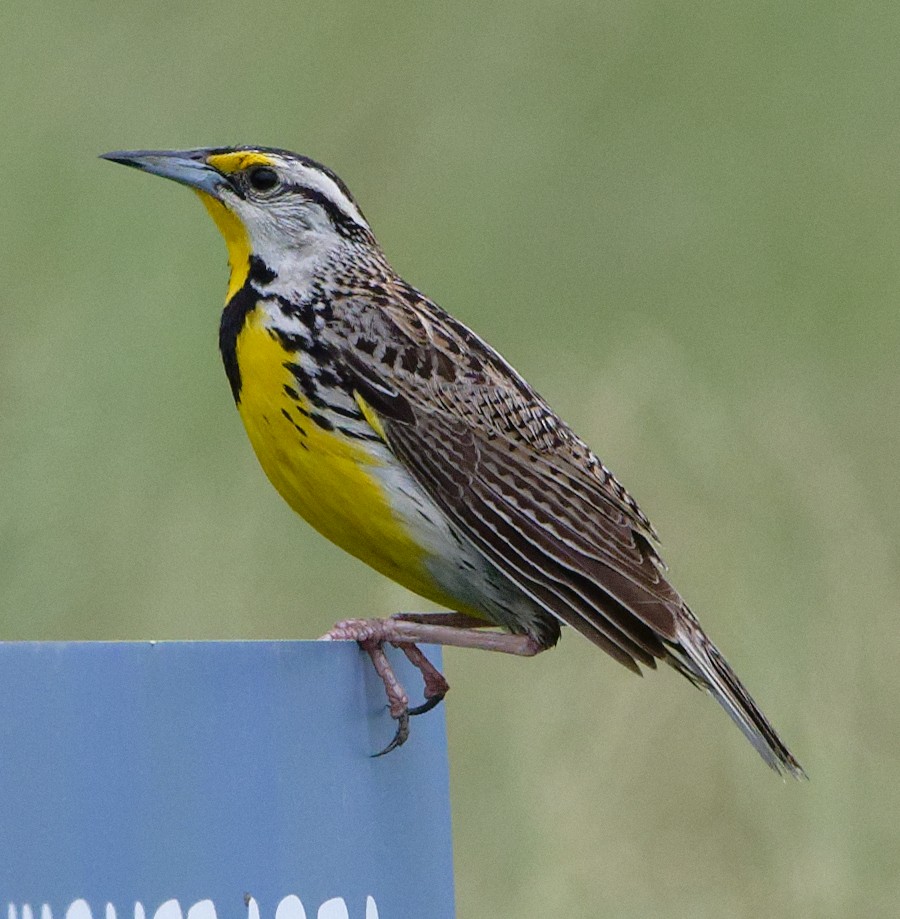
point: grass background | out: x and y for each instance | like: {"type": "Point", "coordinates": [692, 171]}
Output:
{"type": "Point", "coordinates": [678, 220]}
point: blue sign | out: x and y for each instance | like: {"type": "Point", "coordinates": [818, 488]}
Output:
{"type": "Point", "coordinates": [206, 780]}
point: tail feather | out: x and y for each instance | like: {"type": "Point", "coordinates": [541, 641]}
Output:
{"type": "Point", "coordinates": [702, 663]}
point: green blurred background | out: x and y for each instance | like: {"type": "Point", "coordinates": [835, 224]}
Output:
{"type": "Point", "coordinates": [678, 220]}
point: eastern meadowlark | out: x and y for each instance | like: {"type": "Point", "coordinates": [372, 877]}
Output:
{"type": "Point", "coordinates": [411, 443]}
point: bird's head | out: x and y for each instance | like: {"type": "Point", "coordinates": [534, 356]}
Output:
{"type": "Point", "coordinates": [274, 208]}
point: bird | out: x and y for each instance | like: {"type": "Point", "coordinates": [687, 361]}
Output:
{"type": "Point", "coordinates": [403, 437]}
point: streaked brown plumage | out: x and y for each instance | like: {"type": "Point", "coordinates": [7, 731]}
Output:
{"type": "Point", "coordinates": [530, 494]}
{"type": "Point", "coordinates": [538, 532]}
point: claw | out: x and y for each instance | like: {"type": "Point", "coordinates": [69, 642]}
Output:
{"type": "Point", "coordinates": [427, 705]}
{"type": "Point", "coordinates": [401, 736]}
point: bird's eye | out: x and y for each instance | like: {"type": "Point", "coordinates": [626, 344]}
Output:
{"type": "Point", "coordinates": [262, 178]}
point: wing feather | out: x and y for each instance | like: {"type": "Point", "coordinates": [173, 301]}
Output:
{"type": "Point", "coordinates": [509, 551]}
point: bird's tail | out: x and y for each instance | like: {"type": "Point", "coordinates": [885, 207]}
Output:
{"type": "Point", "coordinates": [702, 663]}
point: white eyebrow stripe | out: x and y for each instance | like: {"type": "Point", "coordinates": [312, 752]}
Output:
{"type": "Point", "coordinates": [318, 181]}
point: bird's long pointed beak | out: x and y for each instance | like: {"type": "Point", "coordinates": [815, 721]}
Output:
{"type": "Point", "coordinates": [189, 167]}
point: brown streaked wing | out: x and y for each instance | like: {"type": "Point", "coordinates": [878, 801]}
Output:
{"type": "Point", "coordinates": [569, 538]}
{"type": "Point", "coordinates": [560, 592]}
{"type": "Point", "coordinates": [479, 385]}
{"type": "Point", "coordinates": [509, 527]}
{"type": "Point", "coordinates": [506, 408]}
{"type": "Point", "coordinates": [443, 454]}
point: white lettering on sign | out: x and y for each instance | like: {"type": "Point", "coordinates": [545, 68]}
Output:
{"type": "Point", "coordinates": [290, 907]}
{"type": "Point", "coordinates": [333, 909]}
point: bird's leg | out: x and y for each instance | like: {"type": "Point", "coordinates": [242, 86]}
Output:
{"type": "Point", "coordinates": [405, 634]}
{"type": "Point", "coordinates": [457, 620]}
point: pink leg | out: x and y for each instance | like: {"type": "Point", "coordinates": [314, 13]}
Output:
{"type": "Point", "coordinates": [457, 620]}
{"type": "Point", "coordinates": [436, 686]}
{"type": "Point", "coordinates": [404, 633]}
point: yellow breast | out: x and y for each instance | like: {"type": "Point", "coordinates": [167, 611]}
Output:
{"type": "Point", "coordinates": [328, 478]}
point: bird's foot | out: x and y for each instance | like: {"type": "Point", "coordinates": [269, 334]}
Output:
{"type": "Point", "coordinates": [372, 635]}
{"type": "Point", "coordinates": [404, 631]}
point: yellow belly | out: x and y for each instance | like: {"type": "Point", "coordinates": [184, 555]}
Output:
{"type": "Point", "coordinates": [326, 477]}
